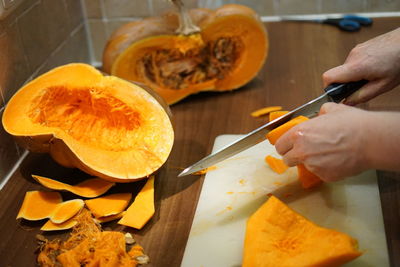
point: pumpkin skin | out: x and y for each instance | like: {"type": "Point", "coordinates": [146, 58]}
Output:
{"type": "Point", "coordinates": [227, 53]}
{"type": "Point", "coordinates": [102, 125]}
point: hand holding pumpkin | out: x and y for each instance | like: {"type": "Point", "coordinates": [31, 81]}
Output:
{"type": "Point", "coordinates": [377, 61]}
{"type": "Point", "coordinates": [343, 141]}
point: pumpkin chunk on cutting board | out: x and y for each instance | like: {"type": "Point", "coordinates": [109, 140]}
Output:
{"type": "Point", "coordinates": [38, 205]}
{"type": "Point", "coordinates": [278, 236]}
{"type": "Point", "coordinates": [89, 188]}
{"type": "Point", "coordinates": [108, 205]}
{"type": "Point", "coordinates": [142, 208]}
{"type": "Point", "coordinates": [277, 165]}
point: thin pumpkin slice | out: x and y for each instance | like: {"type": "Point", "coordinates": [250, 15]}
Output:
{"type": "Point", "coordinates": [105, 126]}
{"type": "Point", "coordinates": [142, 208]}
{"type": "Point", "coordinates": [277, 165]}
{"type": "Point", "coordinates": [66, 210]}
{"type": "Point", "coordinates": [274, 135]}
{"type": "Point", "coordinates": [50, 226]}
{"type": "Point", "coordinates": [265, 111]}
{"type": "Point", "coordinates": [278, 236]}
{"type": "Point", "coordinates": [187, 52]}
{"type": "Point", "coordinates": [273, 115]}
{"type": "Point", "coordinates": [89, 188]}
{"type": "Point", "coordinates": [109, 218]}
{"type": "Point", "coordinates": [108, 205]}
{"type": "Point", "coordinates": [38, 205]}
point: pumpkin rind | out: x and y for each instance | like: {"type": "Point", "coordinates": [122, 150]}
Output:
{"type": "Point", "coordinates": [278, 236]}
{"type": "Point", "coordinates": [227, 53]}
{"type": "Point", "coordinates": [103, 125]}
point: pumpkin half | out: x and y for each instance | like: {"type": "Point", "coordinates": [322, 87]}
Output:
{"type": "Point", "coordinates": [185, 53]}
{"type": "Point", "coordinates": [102, 125]}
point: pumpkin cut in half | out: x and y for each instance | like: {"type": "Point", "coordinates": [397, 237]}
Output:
{"type": "Point", "coordinates": [192, 51]}
{"type": "Point", "coordinates": [278, 236]}
{"type": "Point", "coordinates": [103, 125]}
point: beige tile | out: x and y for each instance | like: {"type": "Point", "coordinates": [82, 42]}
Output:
{"type": "Point", "coordinates": [42, 29]}
{"type": "Point", "coordinates": [382, 6]}
{"type": "Point", "coordinates": [75, 12]}
{"type": "Point", "coordinates": [293, 7]}
{"type": "Point", "coordinates": [342, 6]}
{"type": "Point", "coordinates": [98, 37]}
{"type": "Point", "coordinates": [13, 68]}
{"type": "Point", "coordinates": [75, 49]}
{"type": "Point", "coordinates": [126, 8]}
{"type": "Point", "coordinates": [93, 9]}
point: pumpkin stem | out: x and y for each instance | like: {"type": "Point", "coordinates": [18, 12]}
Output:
{"type": "Point", "coordinates": [186, 25]}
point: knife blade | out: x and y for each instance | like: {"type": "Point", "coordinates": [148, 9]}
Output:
{"type": "Point", "coordinates": [333, 93]}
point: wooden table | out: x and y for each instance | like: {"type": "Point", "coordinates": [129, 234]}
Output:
{"type": "Point", "coordinates": [298, 55]}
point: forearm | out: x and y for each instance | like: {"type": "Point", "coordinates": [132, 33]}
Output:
{"type": "Point", "coordinates": [383, 145]}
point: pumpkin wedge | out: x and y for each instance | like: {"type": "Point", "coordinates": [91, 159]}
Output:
{"type": "Point", "coordinates": [103, 125]}
{"type": "Point", "coordinates": [142, 208]}
{"type": "Point", "coordinates": [108, 205]}
{"type": "Point", "coordinates": [185, 53]}
{"type": "Point", "coordinates": [66, 210]}
{"type": "Point", "coordinates": [109, 218]}
{"type": "Point", "coordinates": [89, 188]}
{"type": "Point", "coordinates": [278, 236]}
{"type": "Point", "coordinates": [51, 226]}
{"type": "Point", "coordinates": [276, 114]}
{"type": "Point", "coordinates": [307, 178]}
{"type": "Point", "coordinates": [38, 205]}
{"type": "Point", "coordinates": [277, 165]}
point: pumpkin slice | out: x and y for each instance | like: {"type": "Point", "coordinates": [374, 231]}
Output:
{"type": "Point", "coordinates": [93, 187]}
{"type": "Point", "coordinates": [108, 205]}
{"type": "Point", "coordinates": [50, 226]}
{"type": "Point", "coordinates": [273, 115]}
{"type": "Point", "coordinates": [307, 178]}
{"type": "Point", "coordinates": [109, 218]}
{"type": "Point", "coordinates": [274, 135]}
{"type": "Point", "coordinates": [142, 208]}
{"type": "Point", "coordinates": [38, 205]}
{"type": "Point", "coordinates": [277, 165]}
{"type": "Point", "coordinates": [103, 125]}
{"type": "Point", "coordinates": [185, 53]}
{"type": "Point", "coordinates": [66, 210]}
{"type": "Point", "coordinates": [265, 111]}
{"type": "Point", "coordinates": [278, 236]}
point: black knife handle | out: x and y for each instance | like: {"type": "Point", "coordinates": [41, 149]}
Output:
{"type": "Point", "coordinates": [339, 91]}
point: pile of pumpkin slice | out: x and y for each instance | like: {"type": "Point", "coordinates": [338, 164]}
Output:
{"type": "Point", "coordinates": [61, 215]}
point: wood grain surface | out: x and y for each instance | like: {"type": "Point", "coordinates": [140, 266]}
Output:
{"type": "Point", "coordinates": [299, 54]}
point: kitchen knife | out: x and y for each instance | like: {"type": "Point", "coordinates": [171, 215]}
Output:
{"type": "Point", "coordinates": [333, 93]}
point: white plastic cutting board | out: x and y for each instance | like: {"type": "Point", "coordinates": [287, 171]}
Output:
{"type": "Point", "coordinates": [239, 185]}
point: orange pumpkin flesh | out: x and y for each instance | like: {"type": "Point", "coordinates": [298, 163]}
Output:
{"type": "Point", "coordinates": [278, 236]}
{"type": "Point", "coordinates": [227, 52]}
{"type": "Point", "coordinates": [38, 205]}
{"type": "Point", "coordinates": [66, 210]}
{"type": "Point", "coordinates": [277, 165]}
{"type": "Point", "coordinates": [51, 226]}
{"type": "Point", "coordinates": [103, 125]}
{"type": "Point", "coordinates": [108, 205]}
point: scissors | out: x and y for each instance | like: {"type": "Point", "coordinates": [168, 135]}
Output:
{"type": "Point", "coordinates": [349, 23]}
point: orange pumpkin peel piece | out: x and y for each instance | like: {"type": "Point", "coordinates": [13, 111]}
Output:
{"type": "Point", "coordinates": [110, 217]}
{"type": "Point", "coordinates": [108, 205]}
{"type": "Point", "coordinates": [89, 188]}
{"type": "Point", "coordinates": [265, 111]}
{"type": "Point", "coordinates": [142, 208]}
{"type": "Point", "coordinates": [307, 178]}
{"type": "Point", "coordinates": [38, 205]}
{"type": "Point", "coordinates": [66, 210]}
{"type": "Point", "coordinates": [277, 165]}
{"type": "Point", "coordinates": [278, 236]}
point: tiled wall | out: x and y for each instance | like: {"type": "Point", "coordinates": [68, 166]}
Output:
{"type": "Point", "coordinates": [104, 16]}
{"type": "Point", "coordinates": [37, 36]}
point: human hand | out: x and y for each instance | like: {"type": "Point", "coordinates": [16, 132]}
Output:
{"type": "Point", "coordinates": [332, 145]}
{"type": "Point", "coordinates": [376, 60]}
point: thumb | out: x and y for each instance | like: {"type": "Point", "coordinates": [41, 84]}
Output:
{"type": "Point", "coordinates": [340, 74]}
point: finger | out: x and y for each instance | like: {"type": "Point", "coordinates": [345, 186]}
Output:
{"type": "Point", "coordinates": [366, 93]}
{"type": "Point", "coordinates": [330, 107]}
{"type": "Point", "coordinates": [291, 159]}
{"type": "Point", "coordinates": [284, 143]}
{"type": "Point", "coordinates": [341, 74]}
